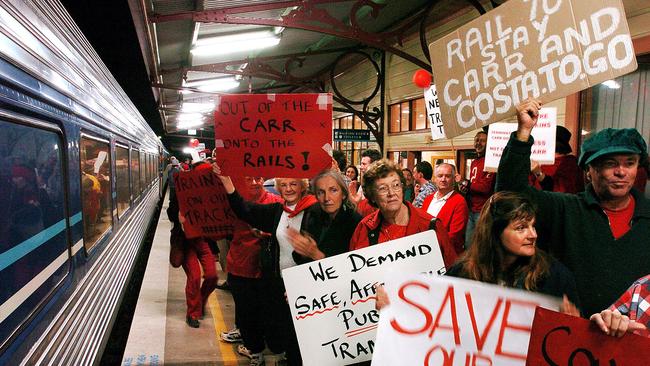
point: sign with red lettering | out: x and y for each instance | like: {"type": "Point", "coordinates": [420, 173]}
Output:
{"type": "Point", "coordinates": [543, 150]}
{"type": "Point", "coordinates": [203, 203]}
{"type": "Point", "coordinates": [560, 339]}
{"type": "Point", "coordinates": [455, 322]}
{"type": "Point", "coordinates": [332, 301]}
{"type": "Point", "coordinates": [273, 135]}
{"type": "Point", "coordinates": [527, 48]}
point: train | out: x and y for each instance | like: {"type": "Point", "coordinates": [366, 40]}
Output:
{"type": "Point", "coordinates": [80, 180]}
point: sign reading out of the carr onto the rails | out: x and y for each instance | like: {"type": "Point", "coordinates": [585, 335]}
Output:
{"type": "Point", "coordinates": [545, 49]}
{"type": "Point", "coordinates": [273, 135]}
{"type": "Point", "coordinates": [351, 135]}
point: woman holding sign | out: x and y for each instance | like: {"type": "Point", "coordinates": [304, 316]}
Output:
{"type": "Point", "coordinates": [504, 252]}
{"type": "Point", "coordinates": [329, 230]}
{"type": "Point", "coordinates": [277, 219]}
{"type": "Point", "coordinates": [383, 186]}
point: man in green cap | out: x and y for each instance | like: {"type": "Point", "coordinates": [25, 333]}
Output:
{"type": "Point", "coordinates": [601, 234]}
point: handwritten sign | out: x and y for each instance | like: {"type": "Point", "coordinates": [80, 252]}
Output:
{"type": "Point", "coordinates": [545, 49]}
{"type": "Point", "coordinates": [543, 150]}
{"type": "Point", "coordinates": [559, 339]}
{"type": "Point", "coordinates": [455, 322]}
{"type": "Point", "coordinates": [203, 202]}
{"type": "Point", "coordinates": [273, 135]}
{"type": "Point", "coordinates": [433, 112]}
{"type": "Point", "coordinates": [336, 297]}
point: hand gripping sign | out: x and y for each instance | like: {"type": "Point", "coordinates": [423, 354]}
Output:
{"type": "Point", "coordinates": [560, 339]}
{"type": "Point", "coordinates": [433, 320]}
{"type": "Point", "coordinates": [545, 49]}
{"type": "Point", "coordinates": [332, 301]}
{"type": "Point", "coordinates": [273, 135]}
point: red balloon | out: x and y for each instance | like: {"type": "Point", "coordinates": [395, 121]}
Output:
{"type": "Point", "coordinates": [194, 142]}
{"type": "Point", "coordinates": [422, 79]}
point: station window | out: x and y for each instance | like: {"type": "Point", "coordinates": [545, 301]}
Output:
{"type": "Point", "coordinates": [95, 189]}
{"type": "Point", "coordinates": [33, 230]}
{"type": "Point", "coordinates": [122, 178]}
{"type": "Point", "coordinates": [135, 172]}
{"type": "Point", "coordinates": [619, 103]}
{"type": "Point", "coordinates": [352, 149]}
{"type": "Point", "coordinates": [408, 116]}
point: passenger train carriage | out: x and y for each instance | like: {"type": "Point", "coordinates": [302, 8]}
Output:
{"type": "Point", "coordinates": [79, 182]}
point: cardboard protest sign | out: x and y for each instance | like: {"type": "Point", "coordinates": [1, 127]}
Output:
{"type": "Point", "coordinates": [336, 296]}
{"type": "Point", "coordinates": [441, 320]}
{"type": "Point", "coordinates": [273, 135]}
{"type": "Point", "coordinates": [528, 48]}
{"type": "Point", "coordinates": [543, 150]}
{"type": "Point", "coordinates": [559, 339]}
{"type": "Point", "coordinates": [433, 112]}
{"type": "Point", "coordinates": [203, 202]}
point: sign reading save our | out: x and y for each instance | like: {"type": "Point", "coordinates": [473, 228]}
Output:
{"type": "Point", "coordinates": [273, 135]}
{"type": "Point", "coordinates": [545, 49]}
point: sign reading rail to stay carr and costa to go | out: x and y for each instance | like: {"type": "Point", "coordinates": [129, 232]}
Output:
{"type": "Point", "coordinates": [545, 49]}
{"type": "Point", "coordinates": [273, 135]}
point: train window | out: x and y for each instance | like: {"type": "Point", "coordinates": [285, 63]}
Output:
{"type": "Point", "coordinates": [148, 178]}
{"type": "Point", "coordinates": [135, 172]}
{"type": "Point", "coordinates": [143, 169]}
{"type": "Point", "coordinates": [33, 234]}
{"type": "Point", "coordinates": [122, 178]}
{"type": "Point", "coordinates": [95, 189]}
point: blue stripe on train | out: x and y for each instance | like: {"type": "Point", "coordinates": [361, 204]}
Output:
{"type": "Point", "coordinates": [14, 254]}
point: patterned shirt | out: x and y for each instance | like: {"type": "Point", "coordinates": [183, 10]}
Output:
{"type": "Point", "coordinates": [425, 191]}
{"type": "Point", "coordinates": [635, 303]}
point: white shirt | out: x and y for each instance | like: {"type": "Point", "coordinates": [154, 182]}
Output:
{"type": "Point", "coordinates": [286, 259]}
{"type": "Point", "coordinates": [436, 203]}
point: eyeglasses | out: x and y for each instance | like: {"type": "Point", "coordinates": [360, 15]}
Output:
{"type": "Point", "coordinates": [394, 187]}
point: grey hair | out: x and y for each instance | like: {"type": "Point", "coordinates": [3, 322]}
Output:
{"type": "Point", "coordinates": [453, 168]}
{"type": "Point", "coordinates": [338, 178]}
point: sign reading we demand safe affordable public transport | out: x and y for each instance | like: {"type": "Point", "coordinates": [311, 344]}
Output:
{"type": "Point", "coordinates": [332, 301]}
{"type": "Point", "coordinates": [273, 135]}
{"type": "Point", "coordinates": [545, 49]}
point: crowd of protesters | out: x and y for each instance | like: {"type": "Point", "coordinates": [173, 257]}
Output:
{"type": "Point", "coordinates": [577, 230]}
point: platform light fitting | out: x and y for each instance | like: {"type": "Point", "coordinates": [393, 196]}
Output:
{"type": "Point", "coordinates": [233, 43]}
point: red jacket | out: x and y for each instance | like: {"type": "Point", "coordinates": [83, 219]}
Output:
{"type": "Point", "coordinates": [482, 184]}
{"type": "Point", "coordinates": [454, 215]}
{"type": "Point", "coordinates": [243, 258]}
{"type": "Point", "coordinates": [567, 177]}
{"type": "Point", "coordinates": [418, 222]}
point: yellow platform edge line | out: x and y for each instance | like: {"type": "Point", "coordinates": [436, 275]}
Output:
{"type": "Point", "coordinates": [228, 355]}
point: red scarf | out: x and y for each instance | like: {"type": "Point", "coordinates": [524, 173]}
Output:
{"type": "Point", "coordinates": [304, 203]}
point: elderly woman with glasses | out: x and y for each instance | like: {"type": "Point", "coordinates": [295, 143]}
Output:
{"type": "Point", "coordinates": [383, 186]}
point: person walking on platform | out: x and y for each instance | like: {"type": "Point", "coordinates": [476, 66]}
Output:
{"type": "Point", "coordinates": [196, 256]}
{"type": "Point", "coordinates": [383, 186]}
{"type": "Point", "coordinates": [601, 234]}
{"type": "Point", "coordinates": [328, 230]}
{"type": "Point", "coordinates": [245, 276]}
{"type": "Point", "coordinates": [276, 219]}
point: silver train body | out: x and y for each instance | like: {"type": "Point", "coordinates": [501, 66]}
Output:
{"type": "Point", "coordinates": [79, 183]}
